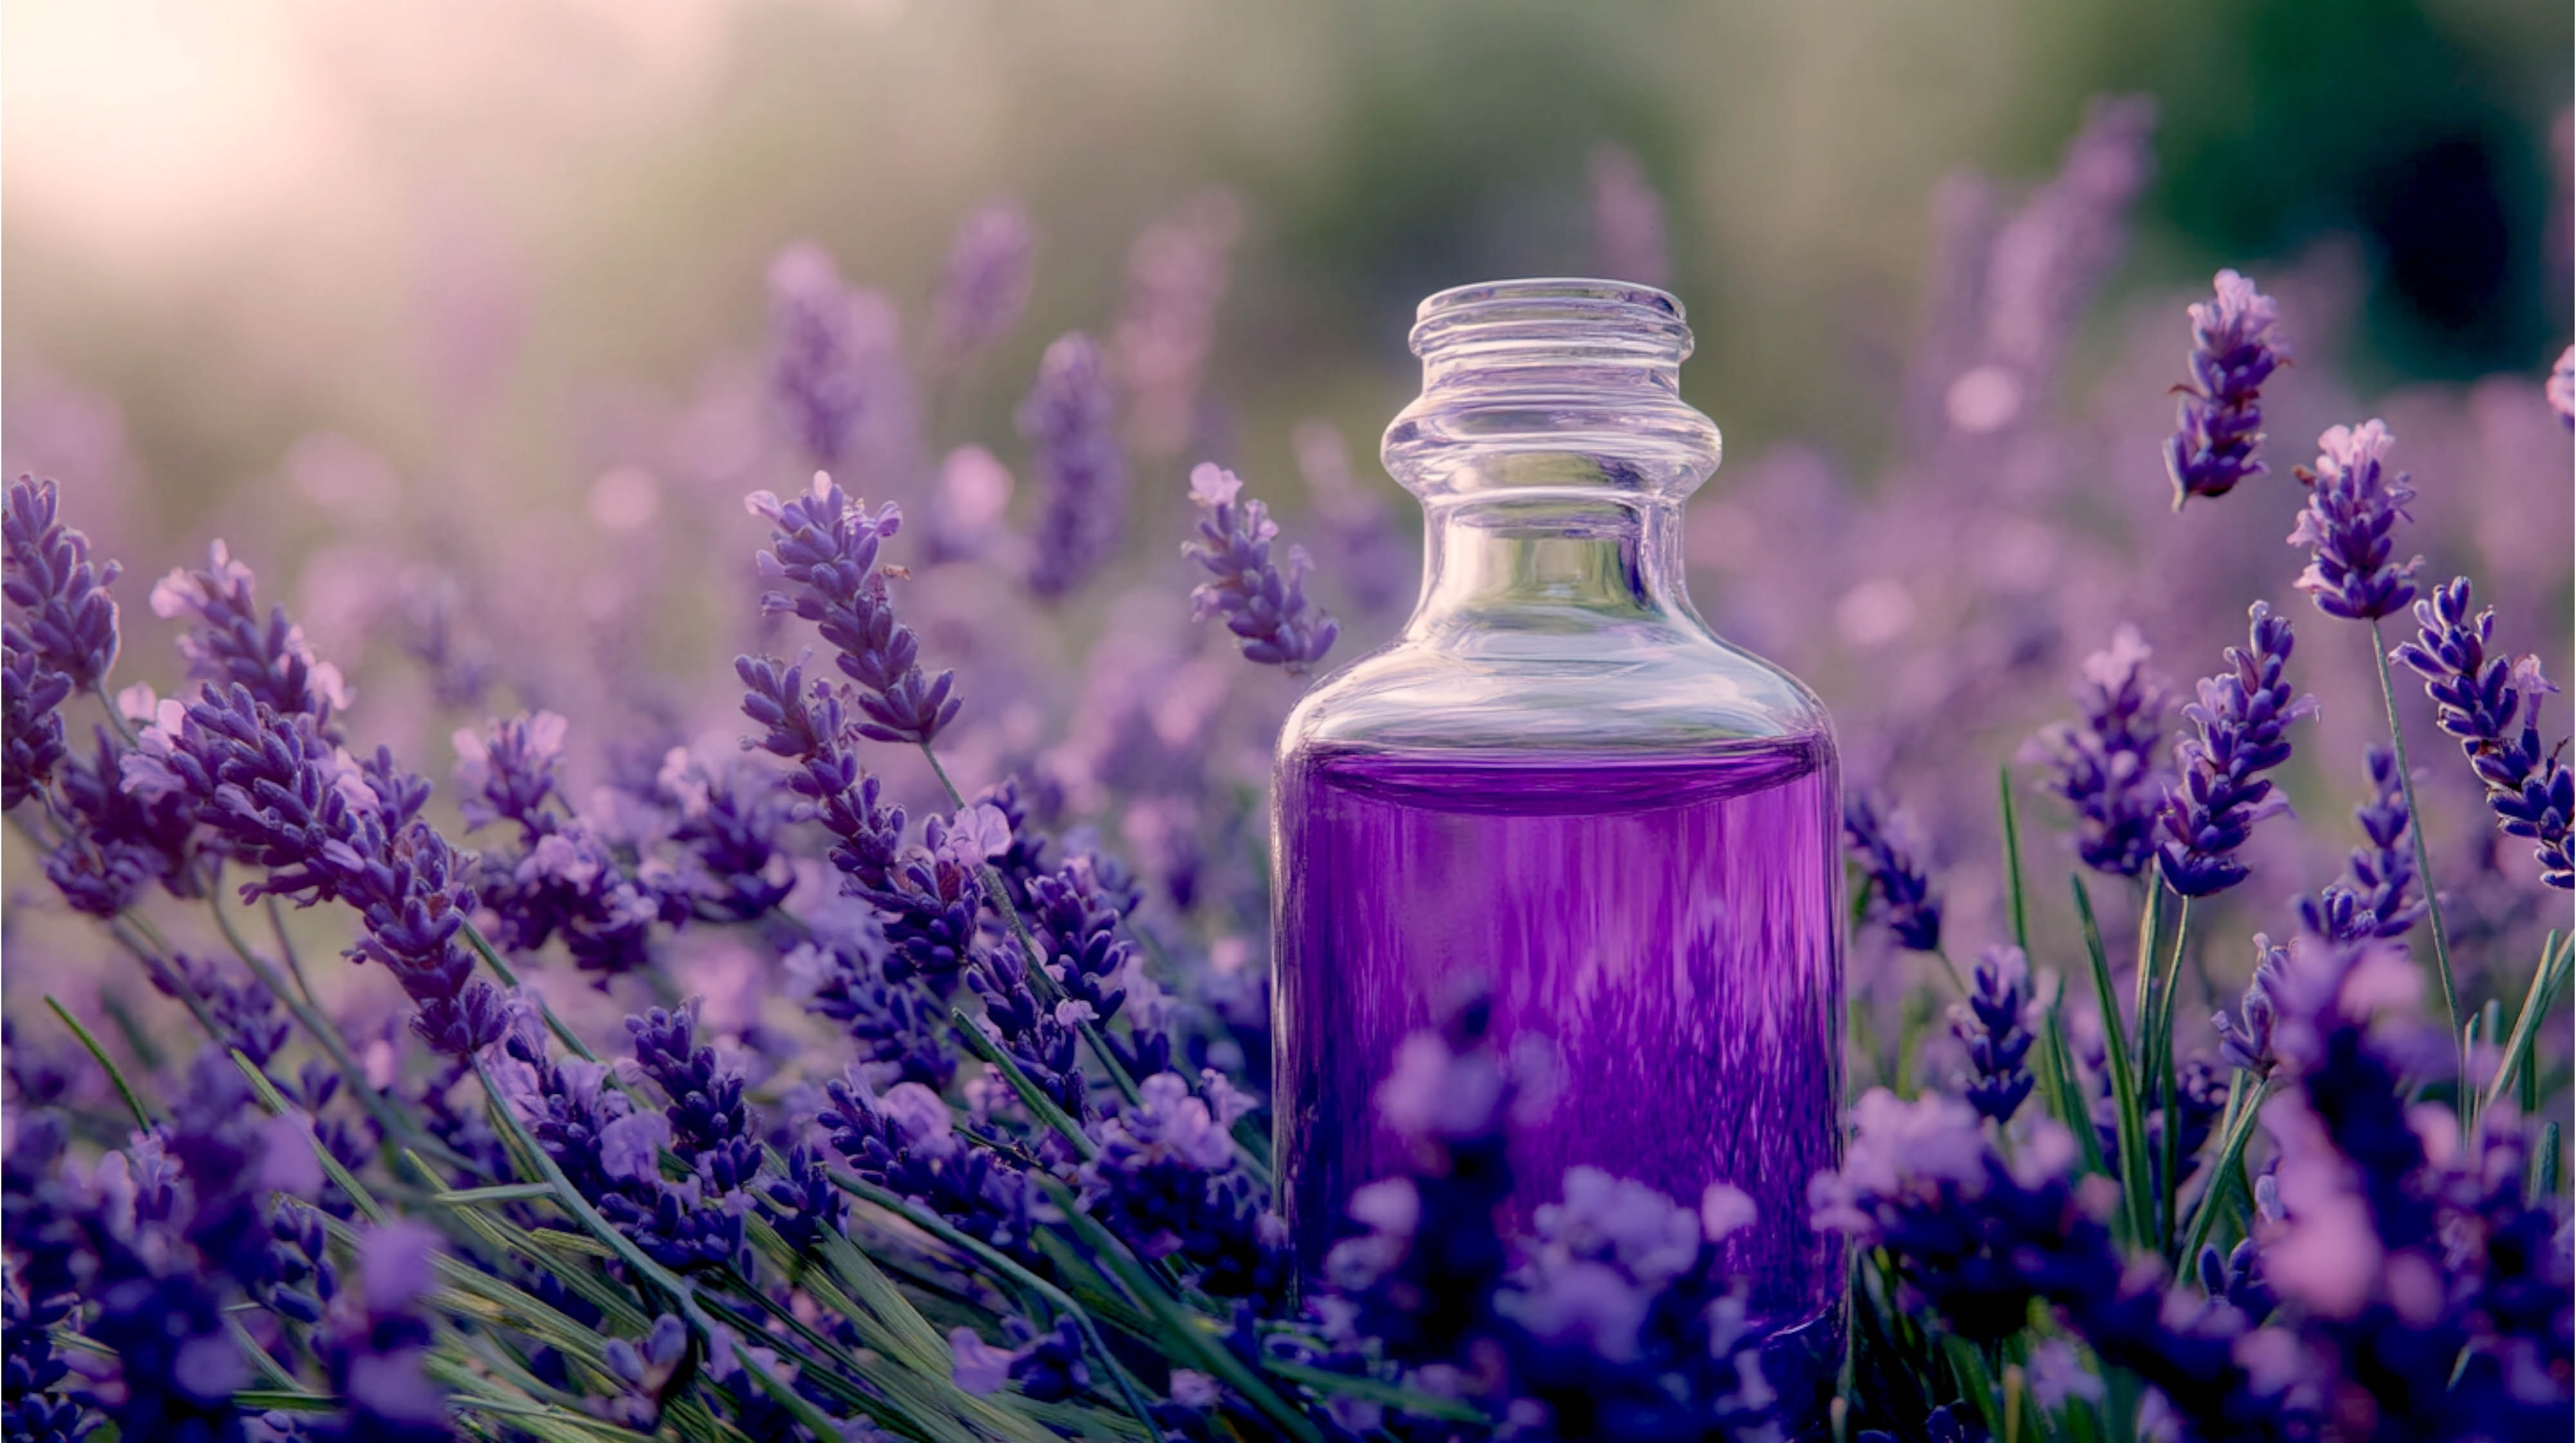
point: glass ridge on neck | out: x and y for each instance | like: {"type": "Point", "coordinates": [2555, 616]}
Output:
{"type": "Point", "coordinates": [1551, 388]}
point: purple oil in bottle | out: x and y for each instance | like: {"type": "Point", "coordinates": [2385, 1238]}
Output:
{"type": "Point", "coordinates": [1667, 922]}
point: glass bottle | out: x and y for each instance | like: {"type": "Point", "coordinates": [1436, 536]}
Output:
{"type": "Point", "coordinates": [1559, 786]}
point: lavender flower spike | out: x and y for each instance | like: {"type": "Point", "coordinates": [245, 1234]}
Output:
{"type": "Point", "coordinates": [1071, 418]}
{"type": "Point", "coordinates": [2244, 721]}
{"type": "Point", "coordinates": [1264, 606]}
{"type": "Point", "coordinates": [1900, 895]}
{"type": "Point", "coordinates": [1997, 1024]}
{"type": "Point", "coordinates": [2351, 510]}
{"type": "Point", "coordinates": [826, 546]}
{"type": "Point", "coordinates": [985, 285]}
{"type": "Point", "coordinates": [2375, 902]}
{"type": "Point", "coordinates": [69, 621]}
{"type": "Point", "coordinates": [2493, 707]}
{"type": "Point", "coordinates": [2233, 350]}
{"type": "Point", "coordinates": [2106, 764]}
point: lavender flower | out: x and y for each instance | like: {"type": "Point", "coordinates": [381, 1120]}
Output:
{"type": "Point", "coordinates": [2246, 1044]}
{"type": "Point", "coordinates": [2350, 513]}
{"type": "Point", "coordinates": [900, 1025]}
{"type": "Point", "coordinates": [2243, 721]}
{"type": "Point", "coordinates": [1169, 1182]}
{"type": "Point", "coordinates": [1900, 893]}
{"type": "Point", "coordinates": [1627, 218]}
{"type": "Point", "coordinates": [1996, 1024]}
{"type": "Point", "coordinates": [117, 843]}
{"type": "Point", "coordinates": [985, 284]}
{"type": "Point", "coordinates": [906, 1142]}
{"type": "Point", "coordinates": [1264, 607]}
{"type": "Point", "coordinates": [833, 367]}
{"type": "Point", "coordinates": [271, 790]}
{"type": "Point", "coordinates": [2233, 350]}
{"type": "Point", "coordinates": [2106, 764]}
{"type": "Point", "coordinates": [67, 619]}
{"type": "Point", "coordinates": [2562, 388]}
{"type": "Point", "coordinates": [374, 1345]}
{"type": "Point", "coordinates": [31, 730]}
{"type": "Point", "coordinates": [2374, 903]}
{"type": "Point", "coordinates": [826, 546]}
{"type": "Point", "coordinates": [2493, 707]}
{"type": "Point", "coordinates": [1177, 274]}
{"type": "Point", "coordinates": [231, 646]}
{"type": "Point", "coordinates": [1070, 419]}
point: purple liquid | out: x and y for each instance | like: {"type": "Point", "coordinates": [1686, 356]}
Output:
{"type": "Point", "coordinates": [1671, 923]}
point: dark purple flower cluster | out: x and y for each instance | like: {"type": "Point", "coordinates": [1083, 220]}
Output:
{"type": "Point", "coordinates": [31, 728]}
{"type": "Point", "coordinates": [1900, 892]}
{"type": "Point", "coordinates": [899, 1024]}
{"type": "Point", "coordinates": [2349, 523]}
{"type": "Point", "coordinates": [1263, 604]}
{"type": "Point", "coordinates": [373, 1345]}
{"type": "Point", "coordinates": [1071, 420]}
{"type": "Point", "coordinates": [825, 546]}
{"type": "Point", "coordinates": [2243, 718]}
{"type": "Point", "coordinates": [564, 879]}
{"type": "Point", "coordinates": [2376, 900]}
{"type": "Point", "coordinates": [232, 645]}
{"type": "Point", "coordinates": [274, 792]}
{"type": "Point", "coordinates": [2493, 707]}
{"type": "Point", "coordinates": [906, 1141]}
{"type": "Point", "coordinates": [2108, 765]}
{"type": "Point", "coordinates": [1169, 1182]}
{"type": "Point", "coordinates": [117, 842]}
{"type": "Point", "coordinates": [1996, 1025]}
{"type": "Point", "coordinates": [2233, 351]}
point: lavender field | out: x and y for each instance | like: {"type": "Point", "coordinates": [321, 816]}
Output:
{"type": "Point", "coordinates": [644, 657]}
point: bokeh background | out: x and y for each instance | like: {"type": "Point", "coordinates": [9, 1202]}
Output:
{"type": "Point", "coordinates": [455, 320]}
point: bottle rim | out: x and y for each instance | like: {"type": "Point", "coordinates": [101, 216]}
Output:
{"type": "Point", "coordinates": [1538, 311]}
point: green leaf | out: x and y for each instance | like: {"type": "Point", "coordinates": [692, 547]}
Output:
{"type": "Point", "coordinates": [331, 1168]}
{"type": "Point", "coordinates": [2556, 953]}
{"type": "Point", "coordinates": [2131, 1124]}
{"type": "Point", "coordinates": [124, 1089]}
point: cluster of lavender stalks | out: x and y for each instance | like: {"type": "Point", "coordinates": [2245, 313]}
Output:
{"type": "Point", "coordinates": [1030, 1198]}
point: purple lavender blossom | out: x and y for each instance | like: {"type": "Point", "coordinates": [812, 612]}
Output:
{"type": "Point", "coordinates": [2351, 511]}
{"type": "Point", "coordinates": [1627, 218]}
{"type": "Point", "coordinates": [2374, 902]}
{"type": "Point", "coordinates": [1900, 892]}
{"type": "Point", "coordinates": [2245, 1041]}
{"type": "Point", "coordinates": [1071, 421]}
{"type": "Point", "coordinates": [906, 1142]}
{"type": "Point", "coordinates": [231, 646]}
{"type": "Point", "coordinates": [831, 367]}
{"type": "Point", "coordinates": [374, 1345]}
{"type": "Point", "coordinates": [2493, 707]}
{"type": "Point", "coordinates": [900, 1025]}
{"type": "Point", "coordinates": [2107, 764]}
{"type": "Point", "coordinates": [984, 286]}
{"type": "Point", "coordinates": [826, 546]}
{"type": "Point", "coordinates": [2243, 719]}
{"type": "Point", "coordinates": [118, 843]}
{"type": "Point", "coordinates": [2233, 350]}
{"type": "Point", "coordinates": [274, 792]}
{"type": "Point", "coordinates": [67, 618]}
{"type": "Point", "coordinates": [1178, 271]}
{"type": "Point", "coordinates": [2562, 388]}
{"type": "Point", "coordinates": [1169, 1182]}
{"type": "Point", "coordinates": [1997, 1025]}
{"type": "Point", "coordinates": [1265, 607]}
{"type": "Point", "coordinates": [31, 729]}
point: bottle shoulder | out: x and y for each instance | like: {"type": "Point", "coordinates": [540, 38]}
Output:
{"type": "Point", "coordinates": [1673, 689]}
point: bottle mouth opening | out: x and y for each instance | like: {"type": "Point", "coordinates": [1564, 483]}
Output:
{"type": "Point", "coordinates": [1581, 315]}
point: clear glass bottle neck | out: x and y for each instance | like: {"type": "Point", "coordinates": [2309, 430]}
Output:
{"type": "Point", "coordinates": [1552, 451]}
{"type": "Point", "coordinates": [1562, 565]}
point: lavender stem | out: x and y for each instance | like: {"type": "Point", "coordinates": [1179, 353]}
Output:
{"type": "Point", "coordinates": [2423, 863]}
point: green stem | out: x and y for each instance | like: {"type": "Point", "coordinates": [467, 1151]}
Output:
{"type": "Point", "coordinates": [2222, 1173]}
{"type": "Point", "coordinates": [115, 718]}
{"type": "Point", "coordinates": [2171, 1078]}
{"type": "Point", "coordinates": [2423, 859]}
{"type": "Point", "coordinates": [286, 945]}
{"type": "Point", "coordinates": [492, 958]}
{"type": "Point", "coordinates": [134, 1104]}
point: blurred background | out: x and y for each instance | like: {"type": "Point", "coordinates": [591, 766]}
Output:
{"type": "Point", "coordinates": [463, 322]}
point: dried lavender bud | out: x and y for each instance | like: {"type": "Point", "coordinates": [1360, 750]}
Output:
{"type": "Point", "coordinates": [2243, 720]}
{"type": "Point", "coordinates": [67, 619]}
{"type": "Point", "coordinates": [1266, 608]}
{"type": "Point", "coordinates": [1071, 421]}
{"type": "Point", "coordinates": [1996, 1024]}
{"type": "Point", "coordinates": [2351, 511]}
{"type": "Point", "coordinates": [2374, 903]}
{"type": "Point", "coordinates": [826, 545]}
{"type": "Point", "coordinates": [2233, 350]}
{"type": "Point", "coordinates": [1900, 892]}
{"type": "Point", "coordinates": [2493, 707]}
{"type": "Point", "coordinates": [985, 284]}
{"type": "Point", "coordinates": [2107, 764]}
